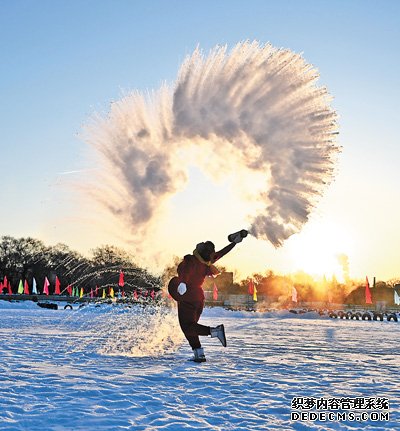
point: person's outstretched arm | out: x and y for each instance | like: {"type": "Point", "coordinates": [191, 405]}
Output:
{"type": "Point", "coordinates": [224, 251]}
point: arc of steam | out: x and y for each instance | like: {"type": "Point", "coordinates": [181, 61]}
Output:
{"type": "Point", "coordinates": [257, 101]}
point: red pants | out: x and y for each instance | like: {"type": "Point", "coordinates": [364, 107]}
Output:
{"type": "Point", "coordinates": [189, 314]}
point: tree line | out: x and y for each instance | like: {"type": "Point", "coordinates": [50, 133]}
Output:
{"type": "Point", "coordinates": [28, 258]}
{"type": "Point", "coordinates": [278, 288]}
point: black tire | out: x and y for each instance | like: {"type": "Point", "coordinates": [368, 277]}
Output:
{"type": "Point", "coordinates": [349, 315]}
{"type": "Point", "coordinates": [341, 314]}
{"type": "Point", "coordinates": [378, 316]}
{"type": "Point", "coordinates": [333, 315]}
{"type": "Point", "coordinates": [366, 316]}
{"type": "Point", "coordinates": [68, 307]}
{"type": "Point", "coordinates": [392, 316]}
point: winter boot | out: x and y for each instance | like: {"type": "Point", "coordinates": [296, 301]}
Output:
{"type": "Point", "coordinates": [219, 331]}
{"type": "Point", "coordinates": [199, 355]}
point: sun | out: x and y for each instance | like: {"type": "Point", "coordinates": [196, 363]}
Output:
{"type": "Point", "coordinates": [322, 249]}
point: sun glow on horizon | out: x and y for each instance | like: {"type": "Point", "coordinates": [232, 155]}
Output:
{"type": "Point", "coordinates": [322, 249]}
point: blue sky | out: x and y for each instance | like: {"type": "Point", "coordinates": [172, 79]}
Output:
{"type": "Point", "coordinates": [63, 60]}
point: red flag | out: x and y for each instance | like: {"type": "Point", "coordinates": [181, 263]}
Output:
{"type": "Point", "coordinates": [1, 287]}
{"type": "Point", "coordinates": [251, 287]}
{"type": "Point", "coordinates": [121, 282]}
{"type": "Point", "coordinates": [10, 292]}
{"type": "Point", "coordinates": [123, 293]}
{"type": "Point", "coordinates": [91, 292]}
{"type": "Point", "coordinates": [215, 292]}
{"type": "Point", "coordinates": [69, 290]}
{"type": "Point", "coordinates": [152, 294]}
{"type": "Point", "coordinates": [368, 297]}
{"type": "Point", "coordinates": [57, 289]}
{"type": "Point", "coordinates": [5, 282]}
{"type": "Point", "coordinates": [46, 286]}
{"type": "Point", "coordinates": [26, 288]}
{"type": "Point", "coordinates": [96, 291]}
{"type": "Point", "coordinates": [135, 295]}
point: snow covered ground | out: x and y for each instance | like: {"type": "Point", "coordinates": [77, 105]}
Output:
{"type": "Point", "coordinates": [115, 368]}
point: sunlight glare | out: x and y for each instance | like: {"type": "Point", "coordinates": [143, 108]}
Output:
{"type": "Point", "coordinates": [322, 249]}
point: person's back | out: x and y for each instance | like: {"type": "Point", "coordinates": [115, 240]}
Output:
{"type": "Point", "coordinates": [192, 272]}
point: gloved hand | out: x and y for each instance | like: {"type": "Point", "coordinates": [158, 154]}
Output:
{"type": "Point", "coordinates": [237, 238]}
{"type": "Point", "coordinates": [182, 288]}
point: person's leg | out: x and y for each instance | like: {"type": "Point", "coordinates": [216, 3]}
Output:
{"type": "Point", "coordinates": [189, 314]}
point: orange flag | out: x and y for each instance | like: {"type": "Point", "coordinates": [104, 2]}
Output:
{"type": "Point", "coordinates": [368, 297]}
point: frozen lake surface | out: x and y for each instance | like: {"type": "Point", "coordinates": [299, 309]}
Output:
{"type": "Point", "coordinates": [115, 368]}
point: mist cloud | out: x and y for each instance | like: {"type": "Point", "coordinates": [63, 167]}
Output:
{"type": "Point", "coordinates": [256, 104]}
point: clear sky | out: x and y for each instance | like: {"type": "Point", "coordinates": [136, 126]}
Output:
{"type": "Point", "coordinates": [61, 60]}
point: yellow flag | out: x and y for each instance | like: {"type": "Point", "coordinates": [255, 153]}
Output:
{"type": "Point", "coordinates": [104, 293]}
{"type": "Point", "coordinates": [20, 287]}
{"type": "Point", "coordinates": [81, 295]}
{"type": "Point", "coordinates": [255, 293]}
{"type": "Point", "coordinates": [112, 292]}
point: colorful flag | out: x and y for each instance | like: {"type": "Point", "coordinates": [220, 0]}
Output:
{"type": "Point", "coordinates": [26, 288]}
{"type": "Point", "coordinates": [1, 287]}
{"type": "Point", "coordinates": [112, 292]}
{"type": "Point", "coordinates": [10, 292]}
{"type": "Point", "coordinates": [69, 290]}
{"type": "Point", "coordinates": [20, 287]}
{"type": "Point", "coordinates": [104, 293]}
{"type": "Point", "coordinates": [215, 292]}
{"type": "Point", "coordinates": [368, 298]}
{"type": "Point", "coordinates": [121, 281]}
{"type": "Point", "coordinates": [34, 288]}
{"type": "Point", "coordinates": [152, 294]}
{"type": "Point", "coordinates": [5, 281]}
{"type": "Point", "coordinates": [81, 294]}
{"type": "Point", "coordinates": [396, 298]}
{"type": "Point", "coordinates": [96, 291]}
{"type": "Point", "coordinates": [57, 288]}
{"type": "Point", "coordinates": [46, 286]}
{"type": "Point", "coordinates": [135, 295]}
{"type": "Point", "coordinates": [255, 293]}
{"type": "Point", "coordinates": [294, 294]}
{"type": "Point", "coordinates": [250, 288]}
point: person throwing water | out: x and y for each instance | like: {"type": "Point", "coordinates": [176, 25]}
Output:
{"type": "Point", "coordinates": [186, 289]}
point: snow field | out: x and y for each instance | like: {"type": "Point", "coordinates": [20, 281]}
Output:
{"type": "Point", "coordinates": [113, 368]}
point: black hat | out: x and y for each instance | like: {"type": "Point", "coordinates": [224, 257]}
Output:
{"type": "Point", "coordinates": [205, 249]}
